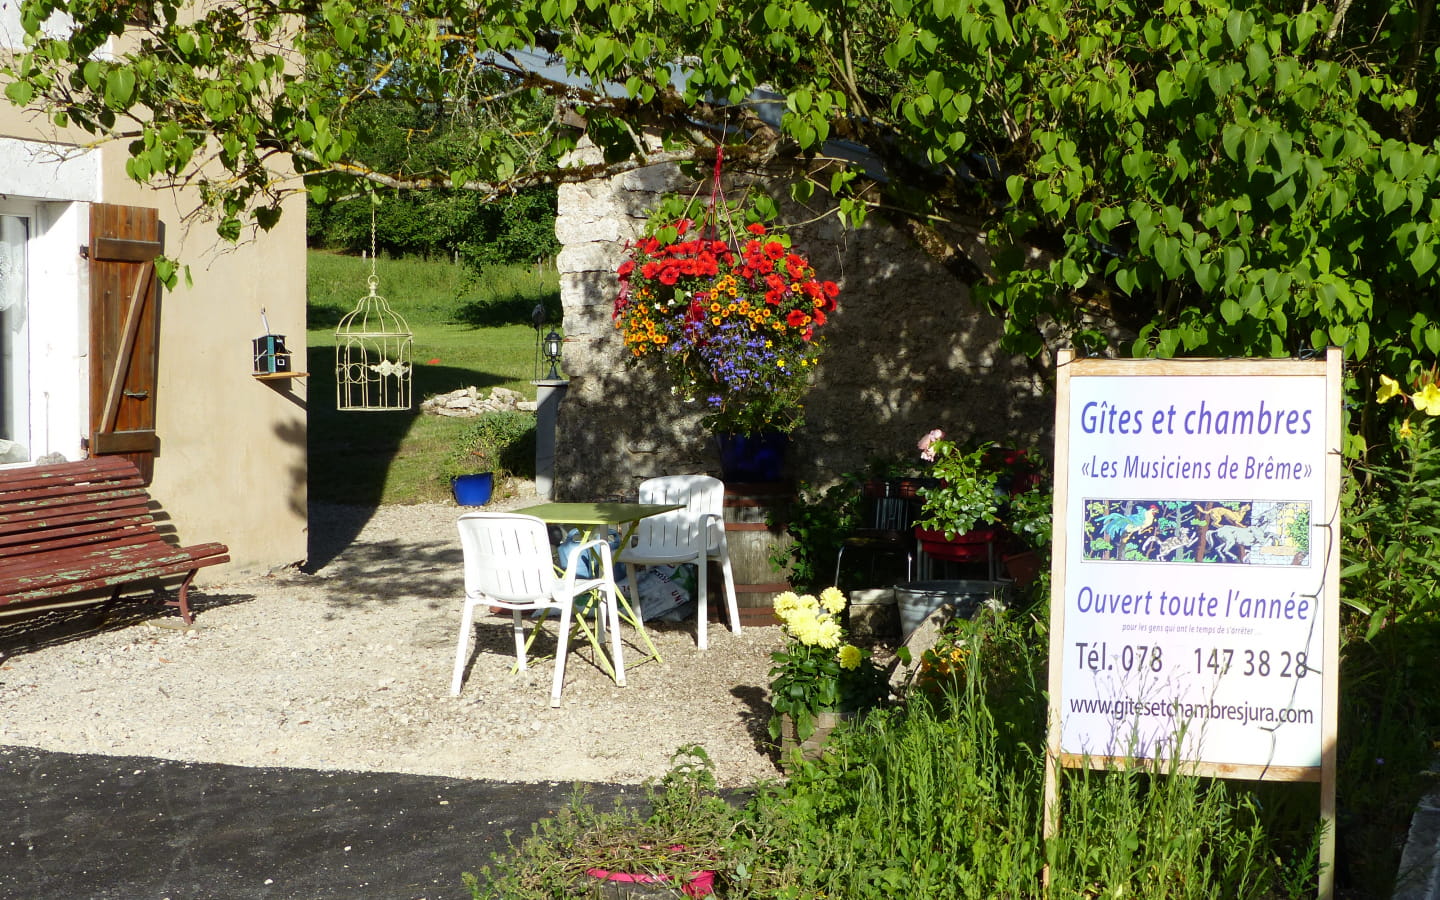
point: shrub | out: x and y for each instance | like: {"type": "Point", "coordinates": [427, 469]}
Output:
{"type": "Point", "coordinates": [501, 442]}
{"type": "Point", "coordinates": [686, 829]}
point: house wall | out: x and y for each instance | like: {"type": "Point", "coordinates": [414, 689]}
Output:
{"type": "Point", "coordinates": [907, 351]}
{"type": "Point", "coordinates": [232, 460]}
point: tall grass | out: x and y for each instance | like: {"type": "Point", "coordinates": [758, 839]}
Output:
{"type": "Point", "coordinates": [942, 799]}
{"type": "Point", "coordinates": [468, 331]}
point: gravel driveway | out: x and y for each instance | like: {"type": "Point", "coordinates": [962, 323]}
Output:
{"type": "Point", "coordinates": [346, 665]}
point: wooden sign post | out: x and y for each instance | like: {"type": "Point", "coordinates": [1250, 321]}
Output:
{"type": "Point", "coordinates": [1195, 600]}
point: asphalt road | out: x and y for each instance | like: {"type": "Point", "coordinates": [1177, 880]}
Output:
{"type": "Point", "coordinates": [81, 827]}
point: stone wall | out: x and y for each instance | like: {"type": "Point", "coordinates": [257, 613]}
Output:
{"type": "Point", "coordinates": [906, 351]}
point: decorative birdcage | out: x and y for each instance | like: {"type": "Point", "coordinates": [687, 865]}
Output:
{"type": "Point", "coordinates": [372, 356]}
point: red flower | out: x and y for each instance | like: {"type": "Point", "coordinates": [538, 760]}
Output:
{"type": "Point", "coordinates": [669, 276]}
{"type": "Point", "coordinates": [773, 297]}
{"type": "Point", "coordinates": [755, 228]}
{"type": "Point", "coordinates": [796, 318]}
{"type": "Point", "coordinates": [626, 268]}
{"type": "Point", "coordinates": [832, 290]}
{"type": "Point", "coordinates": [650, 270]}
{"type": "Point", "coordinates": [775, 282]}
{"type": "Point", "coordinates": [683, 225]}
{"type": "Point", "coordinates": [774, 250]}
{"type": "Point", "coordinates": [819, 317]}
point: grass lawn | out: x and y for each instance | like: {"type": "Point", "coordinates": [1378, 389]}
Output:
{"type": "Point", "coordinates": [469, 331]}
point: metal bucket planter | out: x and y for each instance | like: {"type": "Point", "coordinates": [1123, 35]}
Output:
{"type": "Point", "coordinates": [918, 599]}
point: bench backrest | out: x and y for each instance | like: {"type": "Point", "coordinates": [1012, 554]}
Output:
{"type": "Point", "coordinates": [73, 509]}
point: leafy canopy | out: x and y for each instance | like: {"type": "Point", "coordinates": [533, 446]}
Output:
{"type": "Point", "coordinates": [1189, 176]}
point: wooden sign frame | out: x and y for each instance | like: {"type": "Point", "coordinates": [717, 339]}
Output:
{"type": "Point", "coordinates": [1324, 547]}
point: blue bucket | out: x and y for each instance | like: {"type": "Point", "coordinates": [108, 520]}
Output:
{"type": "Point", "coordinates": [473, 490]}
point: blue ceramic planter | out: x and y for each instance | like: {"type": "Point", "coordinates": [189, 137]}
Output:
{"type": "Point", "coordinates": [753, 457]}
{"type": "Point", "coordinates": [473, 490]}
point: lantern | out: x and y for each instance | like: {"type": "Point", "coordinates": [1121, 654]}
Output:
{"type": "Point", "coordinates": [553, 344]}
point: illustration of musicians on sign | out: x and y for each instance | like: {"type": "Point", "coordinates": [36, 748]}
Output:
{"type": "Point", "coordinates": [1234, 532]}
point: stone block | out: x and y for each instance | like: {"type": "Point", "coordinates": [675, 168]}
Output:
{"type": "Point", "coordinates": [874, 617]}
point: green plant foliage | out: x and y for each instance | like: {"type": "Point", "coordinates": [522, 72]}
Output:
{"type": "Point", "coordinates": [968, 496]}
{"type": "Point", "coordinates": [1217, 178]}
{"type": "Point", "coordinates": [819, 522]}
{"type": "Point", "coordinates": [502, 442]}
{"type": "Point", "coordinates": [941, 798]}
{"type": "Point", "coordinates": [453, 225]}
{"type": "Point", "coordinates": [684, 828]}
{"type": "Point", "coordinates": [817, 670]}
{"type": "Point", "coordinates": [1392, 555]}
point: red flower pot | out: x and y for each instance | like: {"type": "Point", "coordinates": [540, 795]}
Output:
{"type": "Point", "coordinates": [970, 547]}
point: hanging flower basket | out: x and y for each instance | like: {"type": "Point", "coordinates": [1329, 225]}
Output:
{"type": "Point", "coordinates": [734, 319]}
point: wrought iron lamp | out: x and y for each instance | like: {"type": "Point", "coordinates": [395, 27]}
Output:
{"type": "Point", "coordinates": [553, 345]}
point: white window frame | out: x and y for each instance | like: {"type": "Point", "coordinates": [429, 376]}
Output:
{"type": "Point", "coordinates": [58, 317]}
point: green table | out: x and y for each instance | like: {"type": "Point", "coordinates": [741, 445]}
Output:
{"type": "Point", "coordinates": [590, 515]}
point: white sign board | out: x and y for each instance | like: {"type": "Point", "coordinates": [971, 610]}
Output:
{"type": "Point", "coordinates": [1195, 567]}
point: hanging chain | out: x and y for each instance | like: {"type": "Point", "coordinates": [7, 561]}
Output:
{"type": "Point", "coordinates": [374, 280]}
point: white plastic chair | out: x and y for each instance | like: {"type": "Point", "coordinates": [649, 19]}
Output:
{"type": "Point", "coordinates": [508, 564]}
{"type": "Point", "coordinates": [695, 534]}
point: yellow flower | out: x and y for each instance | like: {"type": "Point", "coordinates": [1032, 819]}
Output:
{"type": "Point", "coordinates": [1427, 400]}
{"type": "Point", "coordinates": [827, 634]}
{"type": "Point", "coordinates": [832, 599]}
{"type": "Point", "coordinates": [849, 657]}
{"type": "Point", "coordinates": [786, 603]}
{"type": "Point", "coordinates": [1405, 431]}
{"type": "Point", "coordinates": [1389, 387]}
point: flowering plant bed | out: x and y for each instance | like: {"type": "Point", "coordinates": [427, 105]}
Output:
{"type": "Point", "coordinates": [818, 671]}
{"type": "Point", "coordinates": [736, 326]}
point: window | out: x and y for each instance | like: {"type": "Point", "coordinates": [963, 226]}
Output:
{"type": "Point", "coordinates": [14, 339]}
{"type": "Point", "coordinates": [12, 35]}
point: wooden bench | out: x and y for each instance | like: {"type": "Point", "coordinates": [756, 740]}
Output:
{"type": "Point", "coordinates": [82, 532]}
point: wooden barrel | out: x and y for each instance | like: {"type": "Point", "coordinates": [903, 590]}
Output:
{"type": "Point", "coordinates": [752, 541]}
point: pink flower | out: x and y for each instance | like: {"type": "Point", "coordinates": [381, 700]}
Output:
{"type": "Point", "coordinates": [929, 439]}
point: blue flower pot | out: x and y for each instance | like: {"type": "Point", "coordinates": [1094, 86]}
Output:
{"type": "Point", "coordinates": [753, 457]}
{"type": "Point", "coordinates": [473, 490]}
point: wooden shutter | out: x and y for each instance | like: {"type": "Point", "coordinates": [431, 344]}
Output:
{"type": "Point", "coordinates": [124, 333]}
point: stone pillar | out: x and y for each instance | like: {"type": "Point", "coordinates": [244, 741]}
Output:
{"type": "Point", "coordinates": [548, 394]}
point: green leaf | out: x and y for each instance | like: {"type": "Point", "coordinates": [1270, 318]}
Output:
{"type": "Point", "coordinates": [119, 88]}
{"type": "Point", "coordinates": [1423, 257]}
{"type": "Point", "coordinates": [19, 92]}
